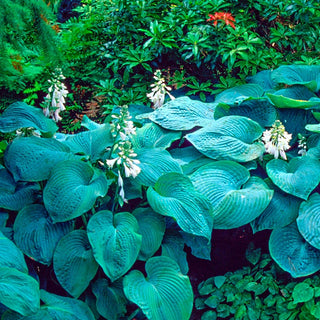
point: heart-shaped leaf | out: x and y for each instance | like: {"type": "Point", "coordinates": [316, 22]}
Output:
{"type": "Point", "coordinates": [72, 190]}
{"type": "Point", "coordinates": [308, 220]}
{"type": "Point", "coordinates": [64, 308]}
{"type": "Point", "coordinates": [73, 262]}
{"type": "Point", "coordinates": [200, 247]}
{"type": "Point", "coordinates": [263, 78]}
{"type": "Point", "coordinates": [175, 196]}
{"type": "Point", "coordinates": [299, 177]}
{"type": "Point", "coordinates": [33, 158]}
{"type": "Point", "coordinates": [36, 235]}
{"type": "Point", "coordinates": [111, 301]}
{"type": "Point", "coordinates": [152, 227]}
{"type": "Point", "coordinates": [19, 291]}
{"type": "Point", "coordinates": [21, 115]}
{"type": "Point", "coordinates": [292, 252]}
{"type": "Point", "coordinates": [115, 241]}
{"type": "Point", "coordinates": [229, 138]}
{"type": "Point", "coordinates": [236, 198]}
{"type": "Point", "coordinates": [165, 294]}
{"type": "Point", "coordinates": [182, 114]}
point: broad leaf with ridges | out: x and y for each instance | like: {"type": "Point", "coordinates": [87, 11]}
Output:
{"type": "Point", "coordinates": [182, 114]}
{"type": "Point", "coordinates": [152, 227]}
{"type": "Point", "coordinates": [19, 291]}
{"type": "Point", "coordinates": [64, 308]}
{"type": "Point", "coordinates": [73, 262]}
{"type": "Point", "coordinates": [229, 138]}
{"type": "Point", "coordinates": [115, 241]}
{"type": "Point", "coordinates": [236, 198]}
{"type": "Point", "coordinates": [299, 177]}
{"type": "Point", "coordinates": [175, 196]}
{"type": "Point", "coordinates": [36, 235]}
{"type": "Point", "coordinates": [33, 158]}
{"type": "Point", "coordinates": [111, 301]}
{"type": "Point", "coordinates": [165, 294]}
{"type": "Point", "coordinates": [72, 190]}
{"type": "Point", "coordinates": [308, 221]}
{"type": "Point", "coordinates": [292, 252]}
{"type": "Point", "coordinates": [21, 115]}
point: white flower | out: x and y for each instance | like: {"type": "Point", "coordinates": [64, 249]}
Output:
{"type": "Point", "coordinates": [111, 162]}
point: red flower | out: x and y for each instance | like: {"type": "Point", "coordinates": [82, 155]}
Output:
{"type": "Point", "coordinates": [224, 16]}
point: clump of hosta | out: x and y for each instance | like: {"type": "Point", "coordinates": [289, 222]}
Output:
{"type": "Point", "coordinates": [122, 154]}
{"type": "Point", "coordinates": [159, 90]}
{"type": "Point", "coordinates": [55, 99]}
{"type": "Point", "coordinates": [276, 140]}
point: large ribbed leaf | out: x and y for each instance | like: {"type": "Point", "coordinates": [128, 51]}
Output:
{"type": "Point", "coordinates": [172, 247]}
{"type": "Point", "coordinates": [200, 247]}
{"type": "Point", "coordinates": [63, 308]}
{"type": "Point", "coordinates": [183, 114]}
{"type": "Point", "coordinates": [175, 196]}
{"type": "Point", "coordinates": [281, 211]}
{"type": "Point", "coordinates": [19, 291]}
{"type": "Point", "coordinates": [92, 143]}
{"type": "Point", "coordinates": [111, 301]}
{"type": "Point", "coordinates": [165, 294]}
{"type": "Point", "coordinates": [20, 115]}
{"type": "Point", "coordinates": [153, 136]}
{"type": "Point", "coordinates": [308, 76]}
{"type": "Point", "coordinates": [238, 94]}
{"type": "Point", "coordinates": [36, 235]}
{"type": "Point", "coordinates": [72, 190]}
{"type": "Point", "coordinates": [73, 262]}
{"type": "Point", "coordinates": [308, 221]}
{"type": "Point", "coordinates": [299, 177]}
{"type": "Point", "coordinates": [33, 158]}
{"type": "Point", "coordinates": [292, 252]}
{"type": "Point", "coordinates": [230, 138]}
{"type": "Point", "coordinates": [41, 314]}
{"type": "Point", "coordinates": [14, 196]}
{"type": "Point", "coordinates": [115, 241]}
{"type": "Point", "coordinates": [294, 97]}
{"type": "Point", "coordinates": [154, 162]}
{"type": "Point", "coordinates": [152, 227]}
{"type": "Point", "coordinates": [259, 110]}
{"type": "Point", "coordinates": [185, 155]}
{"type": "Point", "coordinates": [236, 198]}
{"type": "Point", "coordinates": [10, 255]}
{"type": "Point", "coordinates": [263, 78]}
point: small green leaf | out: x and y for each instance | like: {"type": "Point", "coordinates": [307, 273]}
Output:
{"type": "Point", "coordinates": [219, 281]}
{"type": "Point", "coordinates": [302, 292]}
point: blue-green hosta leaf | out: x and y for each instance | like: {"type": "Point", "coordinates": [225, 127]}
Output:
{"type": "Point", "coordinates": [308, 76]}
{"type": "Point", "coordinates": [259, 110]}
{"type": "Point", "coordinates": [165, 294]}
{"type": "Point", "coordinates": [172, 247]}
{"type": "Point", "coordinates": [41, 314]}
{"type": "Point", "coordinates": [14, 196]}
{"type": "Point", "coordinates": [292, 253]}
{"type": "Point", "coordinates": [21, 115]}
{"type": "Point", "coordinates": [299, 177]}
{"type": "Point", "coordinates": [111, 301]}
{"type": "Point", "coordinates": [294, 97]}
{"type": "Point", "coordinates": [72, 190]}
{"type": "Point", "coordinates": [115, 241]}
{"type": "Point", "coordinates": [19, 291]}
{"type": "Point", "coordinates": [36, 235]}
{"type": "Point", "coordinates": [33, 158]}
{"type": "Point", "coordinates": [154, 162]}
{"type": "Point", "coordinates": [183, 114]}
{"type": "Point", "coordinates": [73, 262]}
{"type": "Point", "coordinates": [10, 255]}
{"type": "Point", "coordinates": [264, 79]}
{"type": "Point", "coordinates": [281, 211]}
{"type": "Point", "coordinates": [200, 247]}
{"type": "Point", "coordinates": [92, 143]}
{"type": "Point", "coordinates": [64, 308]}
{"type": "Point", "coordinates": [175, 196]}
{"type": "Point", "coordinates": [238, 94]}
{"type": "Point", "coordinates": [90, 124]}
{"type": "Point", "coordinates": [236, 198]}
{"type": "Point", "coordinates": [230, 138]}
{"type": "Point", "coordinates": [153, 136]}
{"type": "Point", "coordinates": [152, 227]}
{"type": "Point", "coordinates": [185, 155]}
{"type": "Point", "coordinates": [308, 221]}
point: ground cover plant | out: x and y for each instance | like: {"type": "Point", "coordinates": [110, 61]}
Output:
{"type": "Point", "coordinates": [211, 126]}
